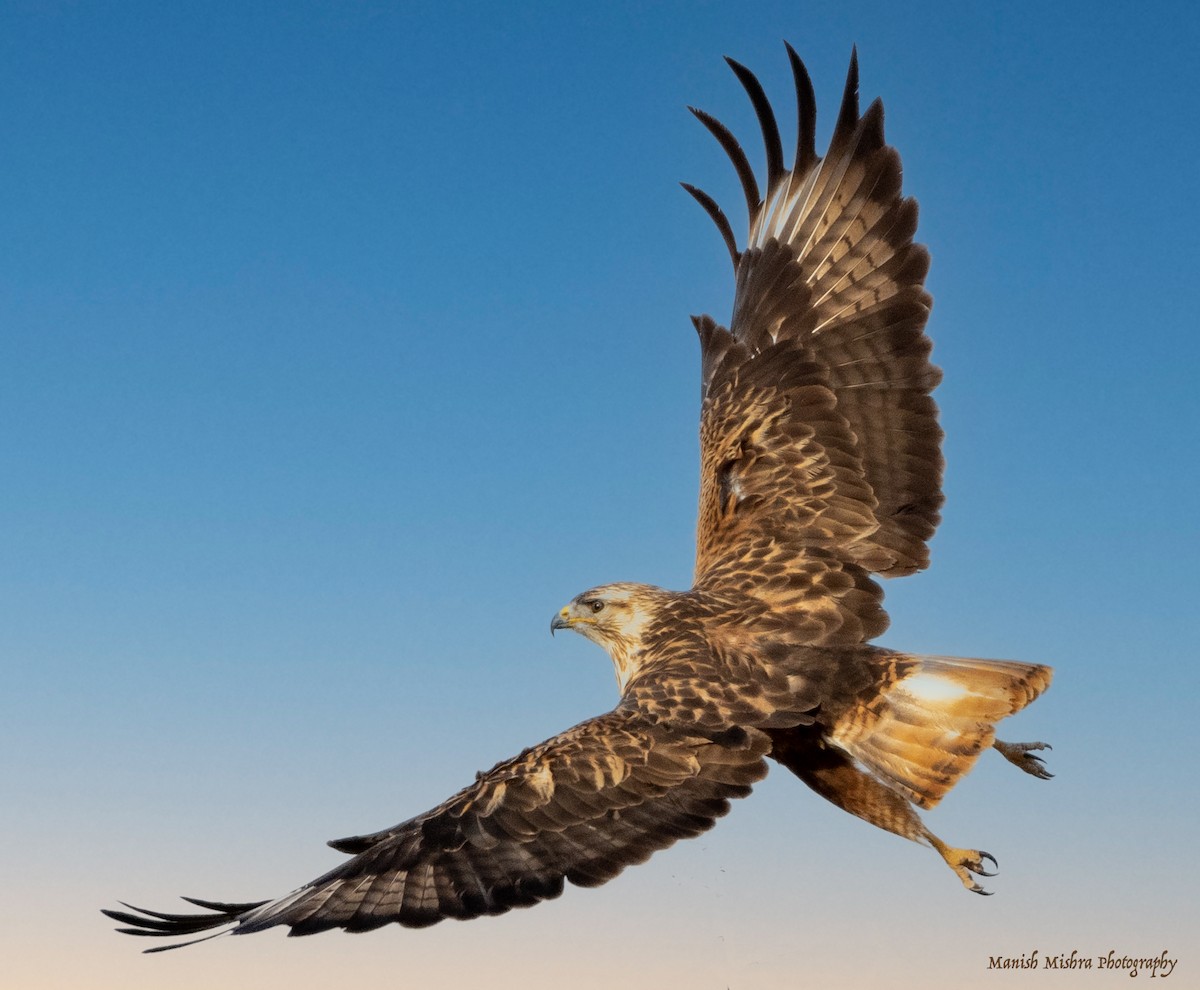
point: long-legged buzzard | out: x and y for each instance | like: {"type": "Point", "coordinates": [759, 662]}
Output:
{"type": "Point", "coordinates": [820, 467]}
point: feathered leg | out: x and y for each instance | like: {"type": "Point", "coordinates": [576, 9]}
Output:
{"type": "Point", "coordinates": [831, 774]}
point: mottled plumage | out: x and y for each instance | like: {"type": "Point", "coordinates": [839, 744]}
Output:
{"type": "Point", "coordinates": [820, 467]}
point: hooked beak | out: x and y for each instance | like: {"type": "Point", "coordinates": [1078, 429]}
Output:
{"type": "Point", "coordinates": [560, 621]}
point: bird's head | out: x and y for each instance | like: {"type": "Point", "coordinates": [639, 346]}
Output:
{"type": "Point", "coordinates": [616, 617]}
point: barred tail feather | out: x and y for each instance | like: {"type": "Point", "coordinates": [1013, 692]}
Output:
{"type": "Point", "coordinates": [927, 727]}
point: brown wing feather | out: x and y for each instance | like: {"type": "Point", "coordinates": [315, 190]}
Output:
{"type": "Point", "coordinates": [580, 807]}
{"type": "Point", "coordinates": [820, 447]}
{"type": "Point", "coordinates": [782, 492]}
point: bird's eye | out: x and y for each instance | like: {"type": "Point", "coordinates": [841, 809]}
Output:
{"type": "Point", "coordinates": [597, 605]}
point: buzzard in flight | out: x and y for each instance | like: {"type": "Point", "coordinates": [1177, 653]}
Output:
{"type": "Point", "coordinates": [820, 467]}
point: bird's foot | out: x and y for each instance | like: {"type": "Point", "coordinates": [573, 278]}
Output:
{"type": "Point", "coordinates": [965, 862]}
{"type": "Point", "coordinates": [1021, 755]}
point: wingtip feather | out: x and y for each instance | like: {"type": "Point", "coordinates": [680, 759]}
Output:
{"type": "Point", "coordinates": [806, 112]}
{"type": "Point", "coordinates": [717, 215]}
{"type": "Point", "coordinates": [766, 121]}
{"type": "Point", "coordinates": [848, 113]}
{"type": "Point", "coordinates": [736, 155]}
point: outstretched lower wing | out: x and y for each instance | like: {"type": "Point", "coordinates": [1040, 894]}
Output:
{"type": "Point", "coordinates": [819, 440]}
{"type": "Point", "coordinates": [580, 807]}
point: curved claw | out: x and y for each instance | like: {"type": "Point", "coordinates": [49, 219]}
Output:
{"type": "Point", "coordinates": [966, 863]}
{"type": "Point", "coordinates": [1036, 767]}
{"type": "Point", "coordinates": [1021, 755]}
{"type": "Point", "coordinates": [978, 868]}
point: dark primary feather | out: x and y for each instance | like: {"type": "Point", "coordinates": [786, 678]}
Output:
{"type": "Point", "coordinates": [718, 217]}
{"type": "Point", "coordinates": [806, 114]}
{"type": "Point", "coordinates": [766, 120]}
{"type": "Point", "coordinates": [158, 924]}
{"type": "Point", "coordinates": [734, 150]}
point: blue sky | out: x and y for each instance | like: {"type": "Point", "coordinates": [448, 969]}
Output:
{"type": "Point", "coordinates": [341, 344]}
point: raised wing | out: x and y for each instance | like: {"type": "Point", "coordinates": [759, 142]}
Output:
{"type": "Point", "coordinates": [820, 448]}
{"type": "Point", "coordinates": [580, 807]}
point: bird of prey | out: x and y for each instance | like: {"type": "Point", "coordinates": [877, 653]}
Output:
{"type": "Point", "coordinates": [820, 467]}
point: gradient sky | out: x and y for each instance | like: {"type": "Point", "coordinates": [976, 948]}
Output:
{"type": "Point", "coordinates": [341, 344]}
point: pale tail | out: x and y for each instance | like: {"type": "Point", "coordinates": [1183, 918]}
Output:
{"type": "Point", "coordinates": [926, 728]}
